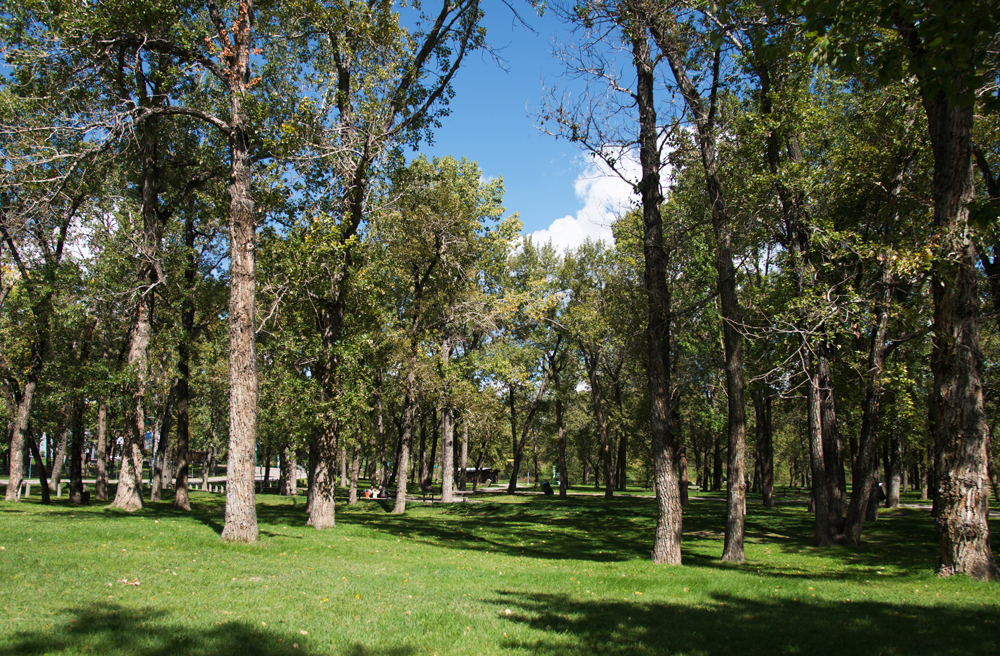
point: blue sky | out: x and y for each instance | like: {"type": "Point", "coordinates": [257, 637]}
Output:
{"type": "Point", "coordinates": [549, 182]}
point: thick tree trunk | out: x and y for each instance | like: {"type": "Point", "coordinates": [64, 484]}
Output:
{"type": "Point", "coordinates": [42, 477]}
{"type": "Point", "coordinates": [289, 473]}
{"type": "Point", "coordinates": [322, 510]}
{"type": "Point", "coordinates": [959, 422]}
{"type": "Point", "coordinates": [667, 537]}
{"type": "Point", "coordinates": [60, 457]}
{"type": "Point", "coordinates": [447, 455]}
{"type": "Point", "coordinates": [403, 460]}
{"type": "Point", "coordinates": [241, 510]}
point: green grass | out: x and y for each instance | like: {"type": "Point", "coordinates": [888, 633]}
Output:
{"type": "Point", "coordinates": [529, 575]}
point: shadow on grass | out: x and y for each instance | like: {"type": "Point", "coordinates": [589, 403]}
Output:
{"type": "Point", "coordinates": [109, 628]}
{"type": "Point", "coordinates": [112, 629]}
{"type": "Point", "coordinates": [734, 625]}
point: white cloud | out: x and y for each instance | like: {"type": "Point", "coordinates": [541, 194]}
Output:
{"type": "Point", "coordinates": [604, 195]}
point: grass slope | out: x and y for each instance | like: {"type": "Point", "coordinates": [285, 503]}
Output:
{"type": "Point", "coordinates": [529, 575]}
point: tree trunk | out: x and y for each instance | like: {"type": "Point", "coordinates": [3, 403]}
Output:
{"type": "Point", "coordinates": [447, 455]}
{"type": "Point", "coordinates": [464, 457]}
{"type": "Point", "coordinates": [863, 472]}
{"type": "Point", "coordinates": [894, 468]}
{"type": "Point", "coordinates": [561, 447]}
{"type": "Point", "coordinates": [833, 460]}
{"type": "Point", "coordinates": [76, 456]}
{"type": "Point", "coordinates": [352, 494]}
{"type": "Point", "coordinates": [160, 466]}
{"type": "Point", "coordinates": [101, 484]}
{"type": "Point", "coordinates": [64, 435]}
{"type": "Point", "coordinates": [182, 500]}
{"type": "Point", "coordinates": [403, 461]}
{"type": "Point", "coordinates": [704, 112]}
{"type": "Point", "coordinates": [526, 428]}
{"type": "Point", "coordinates": [667, 537]}
{"type": "Point", "coordinates": [822, 531]}
{"type": "Point", "coordinates": [762, 411]}
{"type": "Point", "coordinates": [322, 510]}
{"type": "Point", "coordinates": [289, 473]}
{"type": "Point", "coordinates": [958, 417]}
{"type": "Point", "coordinates": [128, 495]}
{"type": "Point", "coordinates": [42, 478]}
{"type": "Point", "coordinates": [241, 509]}
{"type": "Point", "coordinates": [591, 357]}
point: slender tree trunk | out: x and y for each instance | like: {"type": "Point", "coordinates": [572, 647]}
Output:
{"type": "Point", "coordinates": [101, 484]}
{"type": "Point", "coordinates": [526, 428]}
{"type": "Point", "coordinates": [833, 460]}
{"type": "Point", "coordinates": [342, 459]}
{"type": "Point", "coordinates": [464, 457]}
{"type": "Point", "coordinates": [561, 447]}
{"type": "Point", "coordinates": [894, 468]}
{"type": "Point", "coordinates": [762, 408]}
{"type": "Point", "coordinates": [403, 460]}
{"type": "Point", "coordinates": [592, 357]}
{"type": "Point", "coordinates": [352, 494]}
{"type": "Point", "coordinates": [822, 531]}
{"type": "Point", "coordinates": [76, 455]}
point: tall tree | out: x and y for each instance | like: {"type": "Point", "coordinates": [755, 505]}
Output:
{"type": "Point", "coordinates": [952, 64]}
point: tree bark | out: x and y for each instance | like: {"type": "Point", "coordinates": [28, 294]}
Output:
{"type": "Point", "coordinates": [42, 478]}
{"type": "Point", "coordinates": [241, 510]}
{"type": "Point", "coordinates": [960, 429]}
{"type": "Point", "coordinates": [101, 484]}
{"type": "Point", "coordinates": [160, 466]}
{"type": "Point", "coordinates": [667, 537]}
{"type": "Point", "coordinates": [352, 493]}
{"type": "Point", "coordinates": [463, 465]}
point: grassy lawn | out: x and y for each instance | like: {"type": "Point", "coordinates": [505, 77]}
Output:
{"type": "Point", "coordinates": [530, 575]}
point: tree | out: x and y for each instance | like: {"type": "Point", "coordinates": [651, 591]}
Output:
{"type": "Point", "coordinates": [946, 46]}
